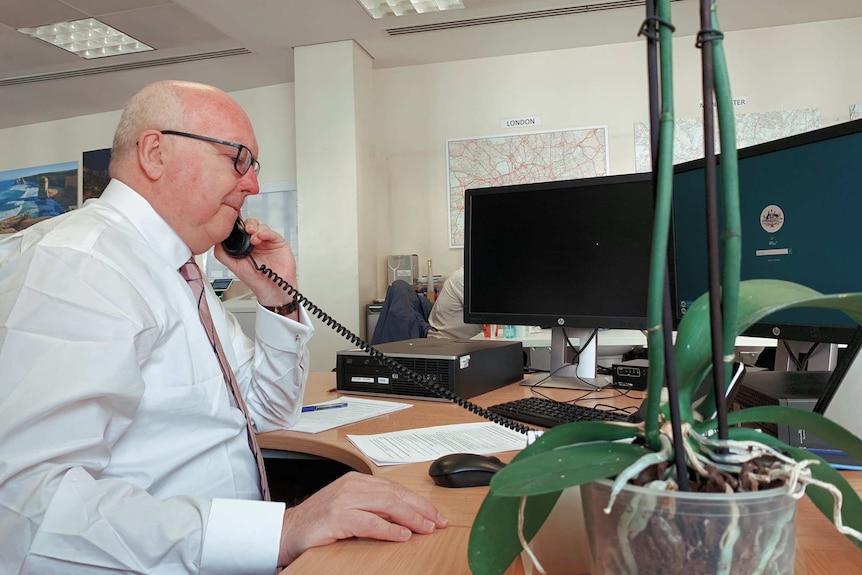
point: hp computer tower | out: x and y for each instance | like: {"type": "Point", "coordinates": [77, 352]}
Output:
{"type": "Point", "coordinates": [464, 367]}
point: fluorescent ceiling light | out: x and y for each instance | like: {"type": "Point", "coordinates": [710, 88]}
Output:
{"type": "Point", "coordinates": [87, 38]}
{"type": "Point", "coordinates": [384, 8]}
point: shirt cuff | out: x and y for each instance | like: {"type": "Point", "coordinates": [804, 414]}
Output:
{"type": "Point", "coordinates": [269, 327]}
{"type": "Point", "coordinates": [242, 537]}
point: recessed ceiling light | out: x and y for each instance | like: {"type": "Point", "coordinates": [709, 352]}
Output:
{"type": "Point", "coordinates": [87, 38]}
{"type": "Point", "coordinates": [384, 8]}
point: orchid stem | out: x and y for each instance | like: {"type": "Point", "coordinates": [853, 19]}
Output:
{"type": "Point", "coordinates": [732, 224]}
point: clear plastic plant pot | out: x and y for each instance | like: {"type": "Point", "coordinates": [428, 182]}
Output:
{"type": "Point", "coordinates": [656, 532]}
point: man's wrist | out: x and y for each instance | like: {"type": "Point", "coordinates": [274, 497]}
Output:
{"type": "Point", "coordinates": [284, 309]}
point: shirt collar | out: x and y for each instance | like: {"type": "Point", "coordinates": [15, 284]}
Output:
{"type": "Point", "coordinates": [155, 231]}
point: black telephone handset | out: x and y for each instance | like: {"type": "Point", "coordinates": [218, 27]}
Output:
{"type": "Point", "coordinates": [238, 245]}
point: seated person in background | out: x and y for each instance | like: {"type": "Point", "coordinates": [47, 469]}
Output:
{"type": "Point", "coordinates": [404, 315]}
{"type": "Point", "coordinates": [447, 315]}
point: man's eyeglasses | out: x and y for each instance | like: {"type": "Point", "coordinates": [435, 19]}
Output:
{"type": "Point", "coordinates": [241, 163]}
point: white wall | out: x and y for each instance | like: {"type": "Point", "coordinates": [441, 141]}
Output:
{"type": "Point", "coordinates": [416, 109]}
{"type": "Point", "coordinates": [270, 110]}
{"type": "Point", "coordinates": [57, 141]}
{"type": "Point", "coordinates": [419, 108]}
{"type": "Point", "coordinates": [333, 96]}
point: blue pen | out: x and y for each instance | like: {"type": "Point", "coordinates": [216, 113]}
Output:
{"type": "Point", "coordinates": [308, 408]}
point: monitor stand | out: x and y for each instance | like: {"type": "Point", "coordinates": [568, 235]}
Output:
{"type": "Point", "coordinates": [824, 357]}
{"type": "Point", "coordinates": [566, 375]}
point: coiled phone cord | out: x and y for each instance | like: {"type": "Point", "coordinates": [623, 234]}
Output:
{"type": "Point", "coordinates": [424, 381]}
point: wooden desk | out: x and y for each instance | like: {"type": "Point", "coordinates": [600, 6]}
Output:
{"type": "Point", "coordinates": [820, 549]}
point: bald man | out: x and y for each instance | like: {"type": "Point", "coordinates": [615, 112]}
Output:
{"type": "Point", "coordinates": [122, 448]}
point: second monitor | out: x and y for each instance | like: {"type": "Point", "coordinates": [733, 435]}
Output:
{"type": "Point", "coordinates": [573, 255]}
{"type": "Point", "coordinates": [799, 205]}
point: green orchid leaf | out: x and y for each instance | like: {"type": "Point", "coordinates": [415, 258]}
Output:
{"type": "Point", "coordinates": [494, 543]}
{"type": "Point", "coordinates": [580, 432]}
{"type": "Point", "coordinates": [558, 469]}
{"type": "Point", "coordinates": [851, 510]}
{"type": "Point", "coordinates": [814, 424]}
{"type": "Point", "coordinates": [494, 540]}
{"type": "Point", "coordinates": [757, 299]}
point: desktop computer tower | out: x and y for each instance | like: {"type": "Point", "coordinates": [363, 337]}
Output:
{"type": "Point", "coordinates": [808, 390]}
{"type": "Point", "coordinates": [466, 368]}
{"type": "Point", "coordinates": [798, 389]}
{"type": "Point", "coordinates": [836, 394]}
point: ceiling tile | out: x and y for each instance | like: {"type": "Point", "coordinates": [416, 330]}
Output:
{"type": "Point", "coordinates": [20, 14]}
{"type": "Point", "coordinates": [25, 56]}
{"type": "Point", "coordinates": [270, 29]}
{"type": "Point", "coordinates": [164, 27]}
{"type": "Point", "coordinates": [99, 7]}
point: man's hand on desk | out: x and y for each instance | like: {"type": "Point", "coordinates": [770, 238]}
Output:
{"type": "Point", "coordinates": [356, 505]}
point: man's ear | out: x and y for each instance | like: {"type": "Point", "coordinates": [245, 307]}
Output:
{"type": "Point", "coordinates": [149, 153]}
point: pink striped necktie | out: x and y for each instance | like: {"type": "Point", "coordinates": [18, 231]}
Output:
{"type": "Point", "coordinates": [192, 274]}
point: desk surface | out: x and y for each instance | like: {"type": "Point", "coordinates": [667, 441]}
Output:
{"type": "Point", "coordinates": [820, 549]}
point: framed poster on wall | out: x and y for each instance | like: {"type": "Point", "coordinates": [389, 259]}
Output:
{"type": "Point", "coordinates": [30, 195]}
{"type": "Point", "coordinates": [95, 176]}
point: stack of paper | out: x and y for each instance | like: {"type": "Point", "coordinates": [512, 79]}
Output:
{"type": "Point", "coordinates": [429, 443]}
{"type": "Point", "coordinates": [357, 409]}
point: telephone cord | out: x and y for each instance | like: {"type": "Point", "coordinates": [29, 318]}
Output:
{"type": "Point", "coordinates": [424, 381]}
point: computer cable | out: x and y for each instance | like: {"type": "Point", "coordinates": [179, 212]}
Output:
{"type": "Point", "coordinates": [801, 364]}
{"type": "Point", "coordinates": [550, 375]}
{"type": "Point", "coordinates": [587, 393]}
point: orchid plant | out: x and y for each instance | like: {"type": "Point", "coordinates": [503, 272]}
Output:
{"type": "Point", "coordinates": [675, 434]}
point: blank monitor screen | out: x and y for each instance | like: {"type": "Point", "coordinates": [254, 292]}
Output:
{"type": "Point", "coordinates": [800, 205]}
{"type": "Point", "coordinates": [572, 253]}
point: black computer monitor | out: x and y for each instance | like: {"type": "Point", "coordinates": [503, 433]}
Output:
{"type": "Point", "coordinates": [566, 254]}
{"type": "Point", "coordinates": [800, 205]}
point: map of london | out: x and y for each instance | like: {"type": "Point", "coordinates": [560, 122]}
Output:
{"type": "Point", "coordinates": [520, 159]}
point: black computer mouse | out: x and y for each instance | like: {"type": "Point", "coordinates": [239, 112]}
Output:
{"type": "Point", "coordinates": [464, 469]}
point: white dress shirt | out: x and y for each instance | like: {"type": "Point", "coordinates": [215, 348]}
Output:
{"type": "Point", "coordinates": [120, 449]}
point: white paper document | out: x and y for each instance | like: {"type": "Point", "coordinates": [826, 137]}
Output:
{"type": "Point", "coordinates": [357, 409]}
{"type": "Point", "coordinates": [429, 443]}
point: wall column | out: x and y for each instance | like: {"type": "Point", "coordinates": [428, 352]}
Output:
{"type": "Point", "coordinates": [334, 109]}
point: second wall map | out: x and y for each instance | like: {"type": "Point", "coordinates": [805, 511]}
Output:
{"type": "Point", "coordinates": [751, 129]}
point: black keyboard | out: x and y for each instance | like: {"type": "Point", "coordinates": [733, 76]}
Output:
{"type": "Point", "coordinates": [548, 413]}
